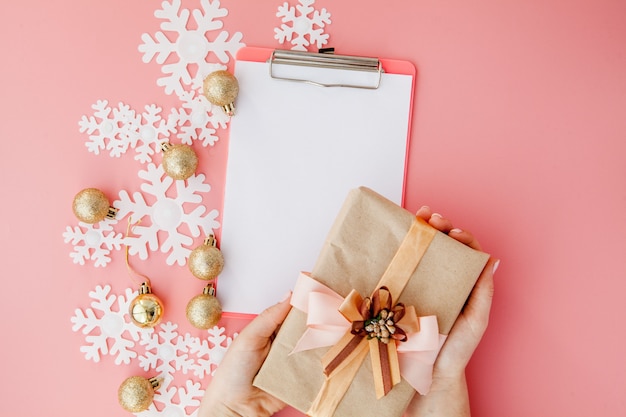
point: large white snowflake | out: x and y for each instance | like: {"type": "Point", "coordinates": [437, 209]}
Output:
{"type": "Point", "coordinates": [166, 352]}
{"type": "Point", "coordinates": [166, 214]}
{"type": "Point", "coordinates": [122, 128]}
{"type": "Point", "coordinates": [93, 242]}
{"type": "Point", "coordinates": [190, 47]}
{"type": "Point", "coordinates": [176, 401]}
{"type": "Point", "coordinates": [101, 324]}
{"type": "Point", "coordinates": [307, 26]}
{"type": "Point", "coordinates": [211, 351]}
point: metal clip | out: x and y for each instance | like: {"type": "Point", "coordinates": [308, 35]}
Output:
{"type": "Point", "coordinates": [327, 61]}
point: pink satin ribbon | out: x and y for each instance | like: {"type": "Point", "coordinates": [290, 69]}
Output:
{"type": "Point", "coordinates": [326, 325]}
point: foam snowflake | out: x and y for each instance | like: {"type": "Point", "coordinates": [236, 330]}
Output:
{"type": "Point", "coordinates": [188, 397]}
{"type": "Point", "coordinates": [197, 119]}
{"type": "Point", "coordinates": [106, 128]}
{"type": "Point", "coordinates": [166, 351]}
{"type": "Point", "coordinates": [92, 242]}
{"type": "Point", "coordinates": [101, 324]}
{"type": "Point", "coordinates": [166, 214]}
{"type": "Point", "coordinates": [148, 132]}
{"type": "Point", "coordinates": [119, 129]}
{"type": "Point", "coordinates": [190, 46]}
{"type": "Point", "coordinates": [307, 27]}
{"type": "Point", "coordinates": [210, 352]}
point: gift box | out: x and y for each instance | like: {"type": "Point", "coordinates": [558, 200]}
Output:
{"type": "Point", "coordinates": [374, 251]}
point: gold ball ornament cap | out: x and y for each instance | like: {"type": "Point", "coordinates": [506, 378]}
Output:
{"type": "Point", "coordinates": [206, 261]}
{"type": "Point", "coordinates": [136, 393]}
{"type": "Point", "coordinates": [146, 310]}
{"type": "Point", "coordinates": [179, 161]}
{"type": "Point", "coordinates": [91, 206]}
{"type": "Point", "coordinates": [204, 310]}
{"type": "Point", "coordinates": [221, 88]}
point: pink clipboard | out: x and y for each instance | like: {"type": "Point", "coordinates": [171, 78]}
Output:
{"type": "Point", "coordinates": [295, 151]}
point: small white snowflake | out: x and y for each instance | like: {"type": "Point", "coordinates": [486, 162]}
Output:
{"type": "Point", "coordinates": [121, 128]}
{"type": "Point", "coordinates": [307, 28]}
{"type": "Point", "coordinates": [166, 352]}
{"type": "Point", "coordinates": [197, 119]}
{"type": "Point", "coordinates": [176, 401]}
{"type": "Point", "coordinates": [104, 127]}
{"type": "Point", "coordinates": [191, 46]}
{"type": "Point", "coordinates": [166, 214]}
{"type": "Point", "coordinates": [211, 351]}
{"type": "Point", "coordinates": [148, 132]}
{"type": "Point", "coordinates": [102, 324]}
{"type": "Point", "coordinates": [93, 242]}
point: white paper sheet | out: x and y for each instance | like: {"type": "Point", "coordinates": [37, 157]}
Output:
{"type": "Point", "coordinates": [295, 151]}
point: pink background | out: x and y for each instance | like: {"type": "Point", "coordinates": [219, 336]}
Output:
{"type": "Point", "coordinates": [519, 135]}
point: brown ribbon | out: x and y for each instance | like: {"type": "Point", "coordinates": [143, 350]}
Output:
{"type": "Point", "coordinates": [343, 360]}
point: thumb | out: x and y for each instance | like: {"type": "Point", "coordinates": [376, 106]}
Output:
{"type": "Point", "coordinates": [265, 324]}
{"type": "Point", "coordinates": [479, 303]}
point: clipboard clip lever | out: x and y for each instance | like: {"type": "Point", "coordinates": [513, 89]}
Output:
{"type": "Point", "coordinates": [327, 61]}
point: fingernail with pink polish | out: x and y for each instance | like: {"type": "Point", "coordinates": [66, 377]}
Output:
{"type": "Point", "coordinates": [456, 230]}
{"type": "Point", "coordinates": [496, 264]}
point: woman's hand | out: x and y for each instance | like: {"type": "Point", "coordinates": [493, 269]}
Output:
{"type": "Point", "coordinates": [448, 395]}
{"type": "Point", "coordinates": [230, 392]}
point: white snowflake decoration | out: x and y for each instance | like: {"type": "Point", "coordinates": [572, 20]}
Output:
{"type": "Point", "coordinates": [190, 46]}
{"type": "Point", "coordinates": [197, 119]}
{"type": "Point", "coordinates": [93, 242]}
{"type": "Point", "coordinates": [106, 128]}
{"type": "Point", "coordinates": [149, 132]}
{"type": "Point", "coordinates": [119, 129]}
{"type": "Point", "coordinates": [166, 352]}
{"type": "Point", "coordinates": [102, 324]}
{"type": "Point", "coordinates": [188, 396]}
{"type": "Point", "coordinates": [211, 351]}
{"type": "Point", "coordinates": [307, 26]}
{"type": "Point", "coordinates": [167, 214]}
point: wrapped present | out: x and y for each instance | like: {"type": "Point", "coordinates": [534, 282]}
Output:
{"type": "Point", "coordinates": [386, 286]}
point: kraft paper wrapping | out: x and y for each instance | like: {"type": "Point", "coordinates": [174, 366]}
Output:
{"type": "Point", "coordinates": [364, 238]}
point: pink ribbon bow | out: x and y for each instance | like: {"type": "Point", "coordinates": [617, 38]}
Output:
{"type": "Point", "coordinates": [326, 326]}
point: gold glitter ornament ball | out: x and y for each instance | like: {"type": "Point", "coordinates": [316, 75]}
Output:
{"type": "Point", "coordinates": [221, 88]}
{"type": "Point", "coordinates": [146, 309]}
{"type": "Point", "coordinates": [135, 394]}
{"type": "Point", "coordinates": [206, 261]}
{"type": "Point", "coordinates": [204, 310]}
{"type": "Point", "coordinates": [92, 205]}
{"type": "Point", "coordinates": [179, 161]}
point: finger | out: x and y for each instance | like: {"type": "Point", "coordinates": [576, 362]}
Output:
{"type": "Point", "coordinates": [265, 324]}
{"type": "Point", "coordinates": [440, 223]}
{"type": "Point", "coordinates": [464, 237]}
{"type": "Point", "coordinates": [479, 303]}
{"type": "Point", "coordinates": [424, 213]}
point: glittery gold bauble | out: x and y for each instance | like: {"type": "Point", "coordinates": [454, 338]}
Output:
{"type": "Point", "coordinates": [179, 161]}
{"type": "Point", "coordinates": [221, 89]}
{"type": "Point", "coordinates": [135, 394]}
{"type": "Point", "coordinates": [146, 309]}
{"type": "Point", "coordinates": [92, 205]}
{"type": "Point", "coordinates": [206, 261]}
{"type": "Point", "coordinates": [204, 310]}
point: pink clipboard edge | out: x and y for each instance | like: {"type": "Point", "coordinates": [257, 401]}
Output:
{"type": "Point", "coordinates": [391, 66]}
